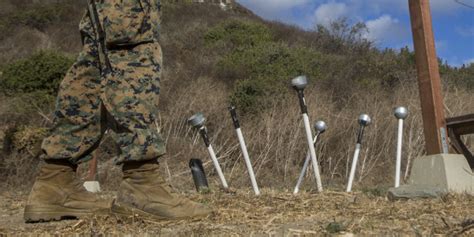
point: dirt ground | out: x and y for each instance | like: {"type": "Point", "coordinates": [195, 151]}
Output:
{"type": "Point", "coordinates": [274, 213]}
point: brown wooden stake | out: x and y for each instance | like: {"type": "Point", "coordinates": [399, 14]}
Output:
{"type": "Point", "coordinates": [91, 176]}
{"type": "Point", "coordinates": [434, 122]}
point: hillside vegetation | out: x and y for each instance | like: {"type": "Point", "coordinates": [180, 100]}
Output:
{"type": "Point", "coordinates": [213, 58]}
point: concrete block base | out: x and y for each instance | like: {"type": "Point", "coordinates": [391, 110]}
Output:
{"type": "Point", "coordinates": [444, 171]}
{"type": "Point", "coordinates": [432, 176]}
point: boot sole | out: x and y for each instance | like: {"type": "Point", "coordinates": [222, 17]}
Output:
{"type": "Point", "coordinates": [124, 210]}
{"type": "Point", "coordinates": [46, 213]}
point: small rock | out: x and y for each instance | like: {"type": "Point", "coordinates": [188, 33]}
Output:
{"type": "Point", "coordinates": [415, 192]}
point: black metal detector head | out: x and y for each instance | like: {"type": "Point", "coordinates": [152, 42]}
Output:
{"type": "Point", "coordinates": [401, 112]}
{"type": "Point", "coordinates": [300, 82]}
{"type": "Point", "coordinates": [320, 126]}
{"type": "Point", "coordinates": [364, 120]}
{"type": "Point", "coordinates": [197, 120]}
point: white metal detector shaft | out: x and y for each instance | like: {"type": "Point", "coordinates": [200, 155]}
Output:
{"type": "Point", "coordinates": [217, 166]}
{"type": "Point", "coordinates": [243, 147]}
{"type": "Point", "coordinates": [364, 120]}
{"type": "Point", "coordinates": [305, 167]}
{"type": "Point", "coordinates": [399, 153]}
{"type": "Point", "coordinates": [400, 113]}
{"type": "Point", "coordinates": [320, 127]}
{"type": "Point", "coordinates": [353, 168]}
{"type": "Point", "coordinates": [312, 152]}
{"type": "Point", "coordinates": [247, 161]}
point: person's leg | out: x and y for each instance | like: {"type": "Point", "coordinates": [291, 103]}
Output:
{"type": "Point", "coordinates": [57, 191]}
{"type": "Point", "coordinates": [131, 98]}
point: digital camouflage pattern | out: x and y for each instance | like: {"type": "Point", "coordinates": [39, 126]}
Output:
{"type": "Point", "coordinates": [93, 99]}
{"type": "Point", "coordinates": [128, 22]}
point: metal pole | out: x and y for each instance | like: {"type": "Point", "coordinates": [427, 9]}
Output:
{"type": "Point", "coordinates": [320, 127]}
{"type": "Point", "coordinates": [353, 168]}
{"type": "Point", "coordinates": [399, 153]}
{"type": "Point", "coordinates": [247, 161]}
{"type": "Point", "coordinates": [217, 166]}
{"type": "Point", "coordinates": [305, 167]}
{"type": "Point", "coordinates": [312, 152]}
{"type": "Point", "coordinates": [243, 147]}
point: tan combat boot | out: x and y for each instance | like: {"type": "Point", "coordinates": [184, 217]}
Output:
{"type": "Point", "coordinates": [143, 191]}
{"type": "Point", "coordinates": [57, 194]}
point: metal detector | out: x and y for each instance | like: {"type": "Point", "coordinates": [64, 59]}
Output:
{"type": "Point", "coordinates": [299, 84]}
{"type": "Point", "coordinates": [364, 121]}
{"type": "Point", "coordinates": [243, 146]}
{"type": "Point", "coordinates": [401, 113]}
{"type": "Point", "coordinates": [197, 121]}
{"type": "Point", "coordinates": [320, 127]}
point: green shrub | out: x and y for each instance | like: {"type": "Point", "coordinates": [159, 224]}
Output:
{"type": "Point", "coordinates": [239, 34]}
{"type": "Point", "coordinates": [42, 71]}
{"type": "Point", "coordinates": [335, 227]}
{"type": "Point", "coordinates": [249, 95]}
{"type": "Point", "coordinates": [272, 60]}
{"type": "Point", "coordinates": [264, 71]}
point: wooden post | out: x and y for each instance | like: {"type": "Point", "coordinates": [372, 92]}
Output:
{"type": "Point", "coordinates": [92, 174]}
{"type": "Point", "coordinates": [429, 82]}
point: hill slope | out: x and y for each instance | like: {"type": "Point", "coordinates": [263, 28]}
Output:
{"type": "Point", "coordinates": [213, 58]}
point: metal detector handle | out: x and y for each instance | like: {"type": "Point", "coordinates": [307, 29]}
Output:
{"type": "Point", "coordinates": [204, 136]}
{"type": "Point", "coordinates": [235, 120]}
{"type": "Point", "coordinates": [360, 135]}
{"type": "Point", "coordinates": [304, 108]}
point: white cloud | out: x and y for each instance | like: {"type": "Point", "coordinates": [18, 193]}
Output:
{"type": "Point", "coordinates": [469, 61]}
{"type": "Point", "coordinates": [386, 29]}
{"type": "Point", "coordinates": [329, 12]}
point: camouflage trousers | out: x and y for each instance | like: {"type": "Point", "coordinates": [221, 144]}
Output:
{"type": "Point", "coordinates": [125, 101]}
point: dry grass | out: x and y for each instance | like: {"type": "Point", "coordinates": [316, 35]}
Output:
{"type": "Point", "coordinates": [276, 138]}
{"type": "Point", "coordinates": [275, 213]}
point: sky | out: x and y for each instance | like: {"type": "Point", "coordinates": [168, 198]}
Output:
{"type": "Point", "coordinates": [388, 21]}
